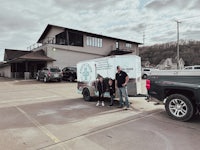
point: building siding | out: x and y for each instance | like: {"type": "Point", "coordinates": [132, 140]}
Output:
{"type": "Point", "coordinates": [65, 57]}
{"type": "Point", "coordinates": [68, 55]}
{"type": "Point", "coordinates": [52, 34]}
{"type": "Point", "coordinates": [5, 71]}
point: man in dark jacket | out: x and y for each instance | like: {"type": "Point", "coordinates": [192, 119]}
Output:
{"type": "Point", "coordinates": [101, 87]}
{"type": "Point", "coordinates": [121, 81]}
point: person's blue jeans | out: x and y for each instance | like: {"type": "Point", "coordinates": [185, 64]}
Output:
{"type": "Point", "coordinates": [111, 99]}
{"type": "Point", "coordinates": [123, 93]}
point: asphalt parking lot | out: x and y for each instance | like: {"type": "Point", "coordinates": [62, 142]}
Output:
{"type": "Point", "coordinates": [52, 116]}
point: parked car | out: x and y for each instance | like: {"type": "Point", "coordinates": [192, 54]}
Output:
{"type": "Point", "coordinates": [146, 72]}
{"type": "Point", "coordinates": [69, 74]}
{"type": "Point", "coordinates": [192, 67]}
{"type": "Point", "coordinates": [49, 74]}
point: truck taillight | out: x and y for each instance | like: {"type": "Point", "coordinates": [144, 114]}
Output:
{"type": "Point", "coordinates": [148, 84]}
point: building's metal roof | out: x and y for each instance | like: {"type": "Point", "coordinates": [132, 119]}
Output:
{"type": "Point", "coordinates": [49, 27]}
{"type": "Point", "coordinates": [36, 56]}
{"type": "Point", "coordinates": [13, 56]}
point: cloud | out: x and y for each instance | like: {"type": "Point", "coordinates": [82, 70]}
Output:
{"type": "Point", "coordinates": [130, 27]}
{"type": "Point", "coordinates": [84, 4]}
{"type": "Point", "coordinates": [167, 4]}
{"type": "Point", "coordinates": [163, 39]}
{"type": "Point", "coordinates": [195, 5]}
{"type": "Point", "coordinates": [190, 34]}
{"type": "Point", "coordinates": [23, 21]}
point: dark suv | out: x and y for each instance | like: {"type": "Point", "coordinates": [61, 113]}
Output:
{"type": "Point", "coordinates": [49, 74]}
{"type": "Point", "coordinates": [69, 74]}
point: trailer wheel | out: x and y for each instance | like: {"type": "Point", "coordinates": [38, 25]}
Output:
{"type": "Point", "coordinates": [37, 78]}
{"type": "Point", "coordinates": [86, 94]}
{"type": "Point", "coordinates": [179, 107]}
{"type": "Point", "coordinates": [71, 79]}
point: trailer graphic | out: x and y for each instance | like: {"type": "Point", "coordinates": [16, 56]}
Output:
{"type": "Point", "coordinates": [85, 72]}
{"type": "Point", "coordinates": [89, 71]}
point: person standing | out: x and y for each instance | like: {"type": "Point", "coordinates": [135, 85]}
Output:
{"type": "Point", "coordinates": [101, 88]}
{"type": "Point", "coordinates": [121, 81]}
{"type": "Point", "coordinates": [111, 87]}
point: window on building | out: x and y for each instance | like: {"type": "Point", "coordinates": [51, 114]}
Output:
{"type": "Point", "coordinates": [69, 38]}
{"type": "Point", "coordinates": [128, 45]}
{"type": "Point", "coordinates": [61, 38]}
{"type": "Point", "coordinates": [75, 39]}
{"type": "Point", "coordinates": [93, 41]}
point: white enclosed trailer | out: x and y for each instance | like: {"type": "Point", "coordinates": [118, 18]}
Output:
{"type": "Point", "coordinates": [88, 71]}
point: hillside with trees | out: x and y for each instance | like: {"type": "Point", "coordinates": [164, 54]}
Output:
{"type": "Point", "coordinates": [189, 52]}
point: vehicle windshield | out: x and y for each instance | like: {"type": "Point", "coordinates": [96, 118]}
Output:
{"type": "Point", "coordinates": [55, 70]}
{"type": "Point", "coordinates": [74, 69]}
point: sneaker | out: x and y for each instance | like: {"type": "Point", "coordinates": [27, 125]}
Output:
{"type": "Point", "coordinates": [120, 106]}
{"type": "Point", "coordinates": [126, 108]}
{"type": "Point", "coordinates": [103, 103]}
{"type": "Point", "coordinates": [97, 103]}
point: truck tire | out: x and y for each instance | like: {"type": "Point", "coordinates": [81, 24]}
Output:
{"type": "Point", "coordinates": [45, 79]}
{"type": "Point", "coordinates": [86, 94]}
{"type": "Point", "coordinates": [179, 107]}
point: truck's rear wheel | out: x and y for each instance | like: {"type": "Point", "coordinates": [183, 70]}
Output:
{"type": "Point", "coordinates": [86, 94]}
{"type": "Point", "coordinates": [179, 107]}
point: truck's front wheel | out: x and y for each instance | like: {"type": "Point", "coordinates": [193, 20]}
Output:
{"type": "Point", "coordinates": [86, 94]}
{"type": "Point", "coordinates": [179, 107]}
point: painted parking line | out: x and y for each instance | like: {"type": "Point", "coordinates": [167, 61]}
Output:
{"type": "Point", "coordinates": [105, 128]}
{"type": "Point", "coordinates": [27, 99]}
{"type": "Point", "coordinates": [42, 128]}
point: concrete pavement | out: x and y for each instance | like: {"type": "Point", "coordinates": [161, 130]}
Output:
{"type": "Point", "coordinates": [51, 116]}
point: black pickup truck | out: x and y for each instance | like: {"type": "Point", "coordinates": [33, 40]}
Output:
{"type": "Point", "coordinates": [179, 91]}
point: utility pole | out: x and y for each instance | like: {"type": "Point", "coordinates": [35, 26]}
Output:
{"type": "Point", "coordinates": [178, 55]}
{"type": "Point", "coordinates": [143, 37]}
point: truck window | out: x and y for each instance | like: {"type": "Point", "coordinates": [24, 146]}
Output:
{"type": "Point", "coordinates": [197, 67]}
{"type": "Point", "coordinates": [46, 69]}
{"type": "Point", "coordinates": [146, 69]}
{"type": "Point", "coordinates": [187, 68]}
{"type": "Point", "coordinates": [55, 70]}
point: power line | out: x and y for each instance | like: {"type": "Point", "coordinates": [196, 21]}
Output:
{"type": "Point", "coordinates": [166, 24]}
{"type": "Point", "coordinates": [190, 17]}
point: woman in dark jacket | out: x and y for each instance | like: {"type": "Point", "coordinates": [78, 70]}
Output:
{"type": "Point", "coordinates": [101, 87]}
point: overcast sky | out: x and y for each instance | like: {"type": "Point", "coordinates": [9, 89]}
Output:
{"type": "Point", "coordinates": [149, 21]}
